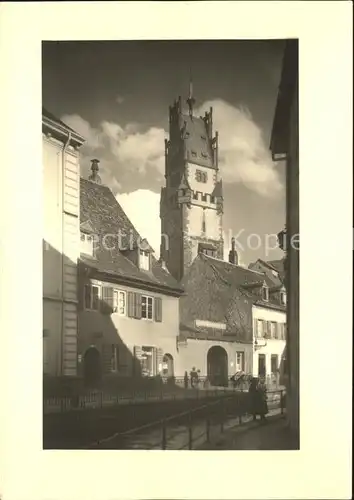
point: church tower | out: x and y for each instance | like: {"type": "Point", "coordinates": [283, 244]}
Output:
{"type": "Point", "coordinates": [191, 205]}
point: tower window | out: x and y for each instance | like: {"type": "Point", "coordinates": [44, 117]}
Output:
{"type": "Point", "coordinates": [212, 199]}
{"type": "Point", "coordinates": [201, 176]}
{"type": "Point", "coordinates": [204, 197]}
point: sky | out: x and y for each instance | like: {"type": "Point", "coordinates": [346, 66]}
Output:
{"type": "Point", "coordinates": [116, 95]}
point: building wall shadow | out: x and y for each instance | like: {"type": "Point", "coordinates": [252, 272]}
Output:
{"type": "Point", "coordinates": [95, 357]}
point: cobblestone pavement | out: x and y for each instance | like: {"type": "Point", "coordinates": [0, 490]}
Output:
{"type": "Point", "coordinates": [272, 435]}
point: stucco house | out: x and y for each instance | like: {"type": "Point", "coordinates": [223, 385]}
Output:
{"type": "Point", "coordinates": [129, 311]}
{"type": "Point", "coordinates": [230, 320]}
{"type": "Point", "coordinates": [61, 173]}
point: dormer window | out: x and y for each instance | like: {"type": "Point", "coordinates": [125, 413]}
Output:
{"type": "Point", "coordinates": [86, 244]}
{"type": "Point", "coordinates": [144, 260]}
{"type": "Point", "coordinates": [283, 297]}
{"type": "Point", "coordinates": [265, 293]}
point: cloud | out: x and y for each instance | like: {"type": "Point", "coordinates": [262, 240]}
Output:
{"type": "Point", "coordinates": [120, 99]}
{"type": "Point", "coordinates": [243, 155]}
{"type": "Point", "coordinates": [133, 156]}
{"type": "Point", "coordinates": [129, 155]}
{"type": "Point", "coordinates": [143, 209]}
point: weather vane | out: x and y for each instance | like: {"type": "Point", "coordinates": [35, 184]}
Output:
{"type": "Point", "coordinates": [190, 100]}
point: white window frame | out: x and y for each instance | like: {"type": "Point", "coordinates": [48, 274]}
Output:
{"type": "Point", "coordinates": [265, 293]}
{"type": "Point", "coordinates": [92, 285]}
{"type": "Point", "coordinates": [144, 260]}
{"type": "Point", "coordinates": [239, 366]}
{"type": "Point", "coordinates": [116, 305]}
{"type": "Point", "coordinates": [86, 244]}
{"type": "Point", "coordinates": [148, 297]}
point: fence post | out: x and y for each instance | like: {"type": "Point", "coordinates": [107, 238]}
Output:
{"type": "Point", "coordinates": [163, 447]}
{"type": "Point", "coordinates": [208, 429]}
{"type": "Point", "coordinates": [190, 434]}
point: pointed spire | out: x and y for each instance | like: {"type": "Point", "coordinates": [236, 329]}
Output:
{"type": "Point", "coordinates": [190, 100]}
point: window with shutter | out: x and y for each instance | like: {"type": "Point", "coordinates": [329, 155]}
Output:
{"type": "Point", "coordinates": [159, 360]}
{"type": "Point", "coordinates": [138, 355]}
{"type": "Point", "coordinates": [158, 309]}
{"type": "Point", "coordinates": [255, 327]}
{"type": "Point", "coordinates": [107, 358]}
{"type": "Point", "coordinates": [277, 334]}
{"type": "Point", "coordinates": [147, 307]}
{"type": "Point", "coordinates": [107, 300]}
{"type": "Point", "coordinates": [92, 297]}
{"type": "Point", "coordinates": [131, 304]}
{"type": "Point", "coordinates": [137, 306]}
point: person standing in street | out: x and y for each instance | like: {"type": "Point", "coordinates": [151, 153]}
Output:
{"type": "Point", "coordinates": [258, 399]}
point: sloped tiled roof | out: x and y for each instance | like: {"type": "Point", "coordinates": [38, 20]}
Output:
{"type": "Point", "coordinates": [218, 191]}
{"type": "Point", "coordinates": [216, 292]}
{"type": "Point", "coordinates": [197, 142]}
{"type": "Point", "coordinates": [99, 207]}
{"type": "Point", "coordinates": [268, 267]}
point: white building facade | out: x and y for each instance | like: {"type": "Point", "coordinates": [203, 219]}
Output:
{"type": "Point", "coordinates": [61, 174]}
{"type": "Point", "coordinates": [269, 327]}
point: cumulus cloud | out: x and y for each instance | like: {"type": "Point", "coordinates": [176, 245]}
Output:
{"type": "Point", "coordinates": [129, 155]}
{"type": "Point", "coordinates": [244, 156]}
{"type": "Point", "coordinates": [143, 209]}
{"type": "Point", "coordinates": [132, 155]}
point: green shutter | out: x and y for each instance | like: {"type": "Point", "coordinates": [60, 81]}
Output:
{"type": "Point", "coordinates": [107, 354]}
{"type": "Point", "coordinates": [131, 304]}
{"type": "Point", "coordinates": [248, 368]}
{"type": "Point", "coordinates": [255, 333]}
{"type": "Point", "coordinates": [137, 362]}
{"type": "Point", "coordinates": [158, 309]}
{"type": "Point", "coordinates": [137, 300]}
{"type": "Point", "coordinates": [107, 300]}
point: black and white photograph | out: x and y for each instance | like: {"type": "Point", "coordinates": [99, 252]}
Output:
{"type": "Point", "coordinates": [161, 338]}
{"type": "Point", "coordinates": [170, 294]}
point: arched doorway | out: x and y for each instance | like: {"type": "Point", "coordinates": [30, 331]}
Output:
{"type": "Point", "coordinates": [167, 365]}
{"type": "Point", "coordinates": [92, 366]}
{"type": "Point", "coordinates": [217, 363]}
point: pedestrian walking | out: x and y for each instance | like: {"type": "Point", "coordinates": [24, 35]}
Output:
{"type": "Point", "coordinates": [258, 399]}
{"type": "Point", "coordinates": [194, 377]}
{"type": "Point", "coordinates": [185, 380]}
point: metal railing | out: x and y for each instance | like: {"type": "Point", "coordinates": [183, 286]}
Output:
{"type": "Point", "coordinates": [165, 390]}
{"type": "Point", "coordinates": [193, 427]}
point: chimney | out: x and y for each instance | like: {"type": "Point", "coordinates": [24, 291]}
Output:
{"type": "Point", "coordinates": [233, 257]}
{"type": "Point", "coordinates": [94, 177]}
